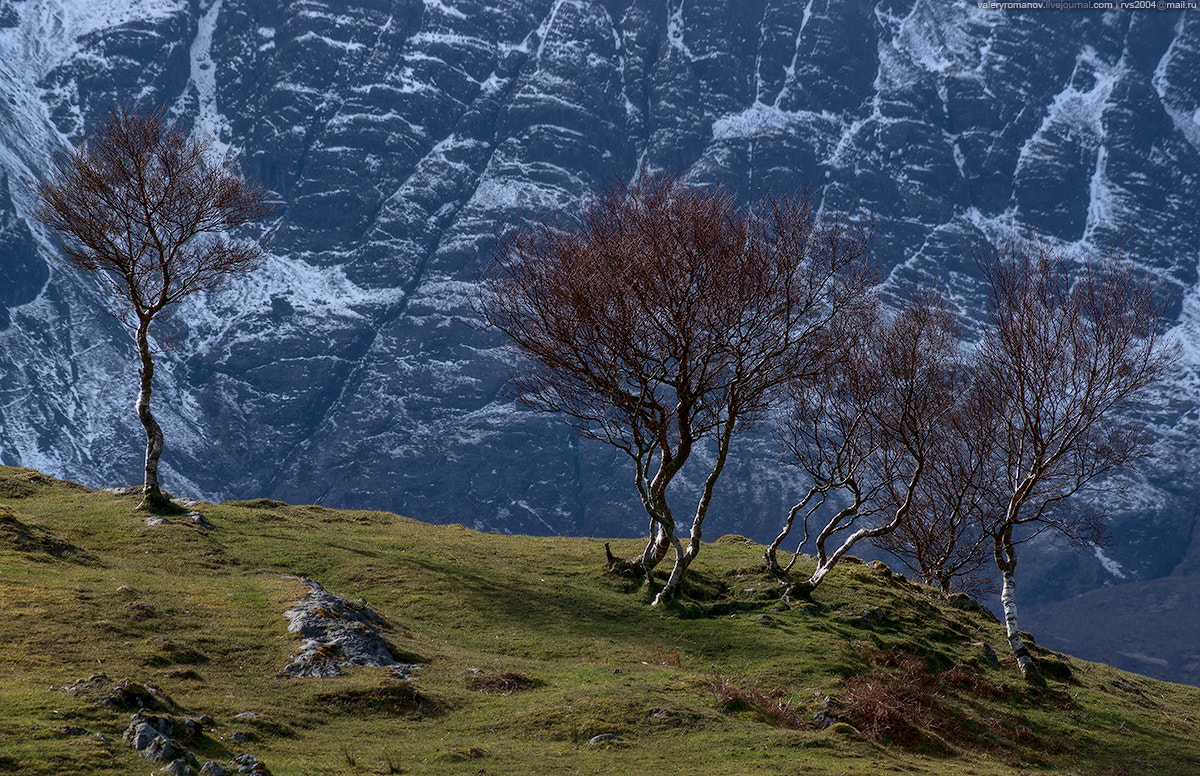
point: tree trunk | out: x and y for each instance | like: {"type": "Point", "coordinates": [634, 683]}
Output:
{"type": "Point", "coordinates": [683, 559]}
{"type": "Point", "coordinates": [1008, 600]}
{"type": "Point", "coordinates": [1006, 561]}
{"type": "Point", "coordinates": [152, 498]}
{"type": "Point", "coordinates": [769, 555]}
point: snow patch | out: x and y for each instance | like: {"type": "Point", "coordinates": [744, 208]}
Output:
{"type": "Point", "coordinates": [209, 121]}
{"type": "Point", "coordinates": [1110, 565]}
{"type": "Point", "coordinates": [437, 6]}
{"type": "Point", "coordinates": [675, 25]}
{"type": "Point", "coordinates": [323, 294]}
{"type": "Point", "coordinates": [761, 119]}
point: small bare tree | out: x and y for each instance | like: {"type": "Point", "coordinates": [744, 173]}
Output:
{"type": "Point", "coordinates": [865, 430]}
{"type": "Point", "coordinates": [666, 317]}
{"type": "Point", "coordinates": [1061, 361]}
{"type": "Point", "coordinates": [942, 540]}
{"type": "Point", "coordinates": [147, 208]}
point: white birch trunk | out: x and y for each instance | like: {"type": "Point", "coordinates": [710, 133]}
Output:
{"type": "Point", "coordinates": [682, 561]}
{"type": "Point", "coordinates": [1008, 600]}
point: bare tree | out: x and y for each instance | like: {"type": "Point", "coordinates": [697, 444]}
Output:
{"type": "Point", "coordinates": [666, 317]}
{"type": "Point", "coordinates": [942, 540]}
{"type": "Point", "coordinates": [147, 208]}
{"type": "Point", "coordinates": [865, 430]}
{"type": "Point", "coordinates": [1061, 361]}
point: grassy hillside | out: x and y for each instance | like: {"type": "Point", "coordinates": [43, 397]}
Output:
{"type": "Point", "coordinates": [529, 649]}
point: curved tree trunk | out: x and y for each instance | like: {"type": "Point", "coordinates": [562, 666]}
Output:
{"type": "Point", "coordinates": [656, 550]}
{"type": "Point", "coordinates": [1006, 561]}
{"type": "Point", "coordinates": [684, 558]}
{"type": "Point", "coordinates": [770, 554]}
{"type": "Point", "coordinates": [641, 565]}
{"type": "Point", "coordinates": [152, 498]}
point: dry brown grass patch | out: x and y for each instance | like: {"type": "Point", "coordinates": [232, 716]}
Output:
{"type": "Point", "coordinates": [772, 705]}
{"type": "Point", "coordinates": [505, 683]}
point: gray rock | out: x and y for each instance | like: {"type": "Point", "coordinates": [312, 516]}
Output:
{"type": "Point", "coordinates": [179, 767]}
{"type": "Point", "coordinates": [872, 617]}
{"type": "Point", "coordinates": [969, 604]}
{"type": "Point", "coordinates": [339, 634]}
{"type": "Point", "coordinates": [988, 654]}
{"type": "Point", "coordinates": [824, 719]}
{"type": "Point", "coordinates": [600, 739]}
{"type": "Point", "coordinates": [139, 734]}
{"type": "Point", "coordinates": [404, 671]}
{"type": "Point", "coordinates": [199, 520]}
{"type": "Point", "coordinates": [161, 749]}
{"type": "Point", "coordinates": [248, 763]}
{"type": "Point", "coordinates": [191, 728]}
{"type": "Point", "coordinates": [213, 768]}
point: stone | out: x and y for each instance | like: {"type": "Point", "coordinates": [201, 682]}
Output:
{"type": "Point", "coordinates": [824, 719]}
{"type": "Point", "coordinates": [404, 671]}
{"type": "Point", "coordinates": [603, 737]}
{"type": "Point", "coordinates": [140, 734]}
{"type": "Point", "coordinates": [130, 695]}
{"type": "Point", "coordinates": [161, 749]}
{"type": "Point", "coordinates": [248, 763]}
{"type": "Point", "coordinates": [872, 617]}
{"type": "Point", "coordinates": [969, 604]}
{"type": "Point", "coordinates": [179, 767]}
{"type": "Point", "coordinates": [213, 768]}
{"type": "Point", "coordinates": [199, 520]}
{"type": "Point", "coordinates": [989, 654]}
{"type": "Point", "coordinates": [338, 634]}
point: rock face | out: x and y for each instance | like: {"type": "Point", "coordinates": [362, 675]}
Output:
{"type": "Point", "coordinates": [401, 134]}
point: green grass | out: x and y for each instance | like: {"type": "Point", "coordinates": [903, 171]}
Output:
{"type": "Point", "coordinates": [530, 648]}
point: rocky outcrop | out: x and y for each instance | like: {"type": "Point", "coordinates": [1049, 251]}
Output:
{"type": "Point", "coordinates": [337, 634]}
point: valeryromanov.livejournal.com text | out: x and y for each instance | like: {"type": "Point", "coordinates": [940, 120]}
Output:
{"type": "Point", "coordinates": [1089, 5]}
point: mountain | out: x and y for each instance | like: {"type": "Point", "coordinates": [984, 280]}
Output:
{"type": "Point", "coordinates": [400, 136]}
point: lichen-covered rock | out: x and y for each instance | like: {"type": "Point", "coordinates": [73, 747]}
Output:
{"type": "Point", "coordinates": [161, 749]}
{"type": "Point", "coordinates": [179, 767]}
{"type": "Point", "coordinates": [248, 763]}
{"type": "Point", "coordinates": [338, 633]}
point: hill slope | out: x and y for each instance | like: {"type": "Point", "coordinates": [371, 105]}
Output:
{"type": "Point", "coordinates": [400, 134]}
{"type": "Point", "coordinates": [527, 650]}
